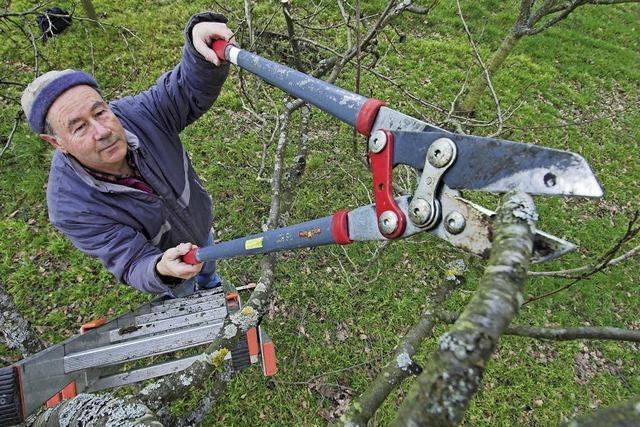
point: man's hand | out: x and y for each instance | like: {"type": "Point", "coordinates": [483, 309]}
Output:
{"type": "Point", "coordinates": [204, 33]}
{"type": "Point", "coordinates": [171, 263]}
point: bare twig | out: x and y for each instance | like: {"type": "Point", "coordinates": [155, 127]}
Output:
{"type": "Point", "coordinates": [249, 20]}
{"type": "Point", "coordinates": [286, 10]}
{"type": "Point", "coordinates": [570, 273]}
{"type": "Point", "coordinates": [565, 334]}
{"type": "Point", "coordinates": [354, 134]}
{"type": "Point", "coordinates": [401, 365]}
{"type": "Point", "coordinates": [485, 71]}
{"type": "Point", "coordinates": [16, 121]}
{"type": "Point", "coordinates": [561, 333]}
{"type": "Point", "coordinates": [347, 18]}
{"type": "Point", "coordinates": [603, 263]}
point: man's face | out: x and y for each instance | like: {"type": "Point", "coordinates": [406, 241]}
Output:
{"type": "Point", "coordinates": [85, 127]}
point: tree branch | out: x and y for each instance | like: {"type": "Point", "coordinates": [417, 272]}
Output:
{"type": "Point", "coordinates": [604, 262]}
{"type": "Point", "coordinates": [560, 333]}
{"type": "Point", "coordinates": [626, 414]}
{"type": "Point", "coordinates": [570, 273]}
{"type": "Point", "coordinates": [295, 50]}
{"type": "Point", "coordinates": [401, 365]}
{"type": "Point", "coordinates": [566, 334]}
{"type": "Point", "coordinates": [442, 392]}
{"type": "Point", "coordinates": [16, 121]}
{"type": "Point", "coordinates": [248, 18]}
{"type": "Point", "coordinates": [97, 410]}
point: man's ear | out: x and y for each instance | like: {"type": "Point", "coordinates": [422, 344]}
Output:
{"type": "Point", "coordinates": [53, 140]}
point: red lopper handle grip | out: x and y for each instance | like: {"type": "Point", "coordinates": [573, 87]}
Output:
{"type": "Point", "coordinates": [191, 257]}
{"type": "Point", "coordinates": [218, 47]}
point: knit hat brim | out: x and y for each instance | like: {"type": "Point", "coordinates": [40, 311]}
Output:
{"type": "Point", "coordinates": [46, 96]}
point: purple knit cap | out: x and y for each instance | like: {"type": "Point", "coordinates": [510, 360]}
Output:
{"type": "Point", "coordinates": [42, 97]}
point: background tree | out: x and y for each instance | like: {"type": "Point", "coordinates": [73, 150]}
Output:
{"type": "Point", "coordinates": [533, 18]}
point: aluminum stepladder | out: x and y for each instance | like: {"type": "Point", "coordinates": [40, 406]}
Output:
{"type": "Point", "coordinates": [97, 359]}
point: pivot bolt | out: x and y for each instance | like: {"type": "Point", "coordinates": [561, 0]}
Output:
{"type": "Point", "coordinates": [419, 211]}
{"type": "Point", "coordinates": [377, 141]}
{"type": "Point", "coordinates": [388, 222]}
{"type": "Point", "coordinates": [455, 222]}
{"type": "Point", "coordinates": [441, 152]}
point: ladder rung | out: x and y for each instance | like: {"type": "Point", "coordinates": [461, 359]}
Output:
{"type": "Point", "coordinates": [141, 374]}
{"type": "Point", "coordinates": [144, 347]}
{"type": "Point", "coordinates": [166, 325]}
{"type": "Point", "coordinates": [180, 311]}
{"type": "Point", "coordinates": [188, 300]}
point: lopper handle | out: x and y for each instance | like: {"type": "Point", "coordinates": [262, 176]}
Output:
{"type": "Point", "coordinates": [351, 108]}
{"type": "Point", "coordinates": [191, 257]}
{"type": "Point", "coordinates": [219, 47]}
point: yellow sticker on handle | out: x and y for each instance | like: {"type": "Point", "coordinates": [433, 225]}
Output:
{"type": "Point", "coordinates": [253, 243]}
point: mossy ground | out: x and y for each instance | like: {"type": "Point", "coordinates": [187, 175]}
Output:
{"type": "Point", "coordinates": [337, 314]}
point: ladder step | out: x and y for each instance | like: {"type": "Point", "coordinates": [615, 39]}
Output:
{"type": "Point", "coordinates": [145, 347]}
{"type": "Point", "coordinates": [141, 374]}
{"type": "Point", "coordinates": [195, 298]}
{"type": "Point", "coordinates": [166, 325]}
{"type": "Point", "coordinates": [180, 311]}
{"type": "Point", "coordinates": [240, 355]}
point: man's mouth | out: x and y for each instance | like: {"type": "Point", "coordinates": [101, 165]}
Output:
{"type": "Point", "coordinates": [108, 146]}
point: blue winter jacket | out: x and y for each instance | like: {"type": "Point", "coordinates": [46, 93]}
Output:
{"type": "Point", "coordinates": [128, 229]}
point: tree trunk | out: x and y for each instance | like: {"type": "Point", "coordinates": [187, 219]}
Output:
{"type": "Point", "coordinates": [442, 392]}
{"type": "Point", "coordinates": [478, 86]}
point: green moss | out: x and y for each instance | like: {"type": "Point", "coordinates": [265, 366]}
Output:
{"type": "Point", "coordinates": [352, 308]}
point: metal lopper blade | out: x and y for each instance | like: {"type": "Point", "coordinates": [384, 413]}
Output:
{"type": "Point", "coordinates": [498, 166]}
{"type": "Point", "coordinates": [474, 236]}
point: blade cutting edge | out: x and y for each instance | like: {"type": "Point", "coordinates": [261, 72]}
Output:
{"type": "Point", "coordinates": [498, 166]}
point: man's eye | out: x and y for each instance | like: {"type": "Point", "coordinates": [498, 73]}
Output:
{"type": "Point", "coordinates": [79, 128]}
{"type": "Point", "coordinates": [100, 112]}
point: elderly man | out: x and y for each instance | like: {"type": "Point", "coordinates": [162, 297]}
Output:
{"type": "Point", "coordinates": [121, 185]}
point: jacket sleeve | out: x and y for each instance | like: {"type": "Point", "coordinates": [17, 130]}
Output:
{"type": "Point", "coordinates": [185, 93]}
{"type": "Point", "coordinates": [125, 252]}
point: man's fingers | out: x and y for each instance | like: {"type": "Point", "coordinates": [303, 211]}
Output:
{"type": "Point", "coordinates": [177, 252]}
{"type": "Point", "coordinates": [204, 33]}
{"type": "Point", "coordinates": [187, 271]}
{"type": "Point", "coordinates": [206, 51]}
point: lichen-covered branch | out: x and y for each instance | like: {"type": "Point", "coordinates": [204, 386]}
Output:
{"type": "Point", "coordinates": [401, 365]}
{"type": "Point", "coordinates": [565, 334]}
{"type": "Point", "coordinates": [560, 333]}
{"type": "Point", "coordinates": [442, 392]}
{"type": "Point", "coordinates": [97, 410]}
{"type": "Point", "coordinates": [625, 415]}
{"type": "Point", "coordinates": [16, 332]}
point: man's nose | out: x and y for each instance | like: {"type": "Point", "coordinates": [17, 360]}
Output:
{"type": "Point", "coordinates": [101, 131]}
